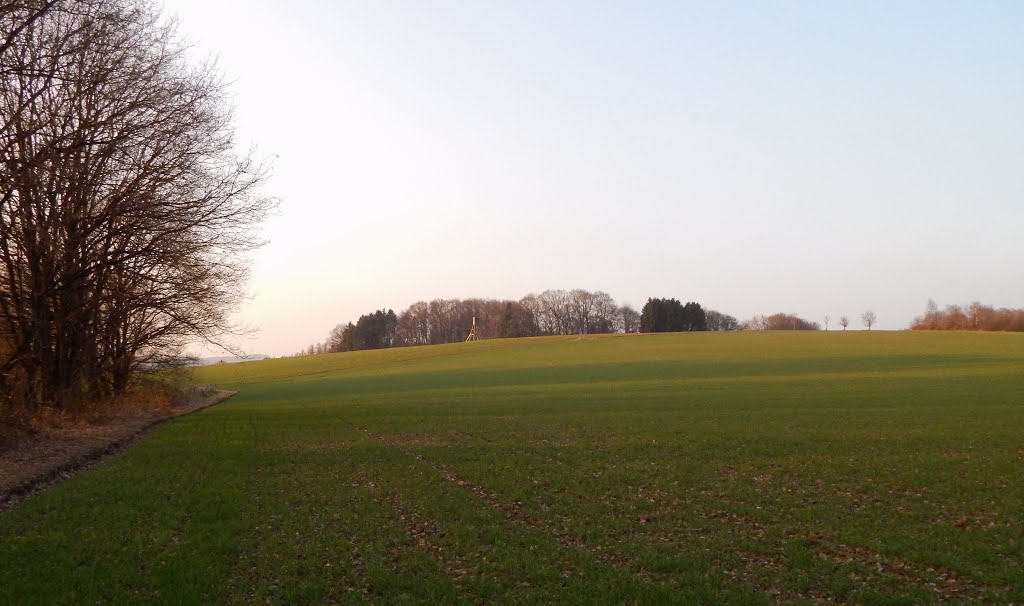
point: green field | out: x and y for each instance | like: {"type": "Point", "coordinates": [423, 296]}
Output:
{"type": "Point", "coordinates": [760, 467]}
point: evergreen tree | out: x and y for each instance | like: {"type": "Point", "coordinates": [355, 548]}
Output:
{"type": "Point", "coordinates": [669, 315]}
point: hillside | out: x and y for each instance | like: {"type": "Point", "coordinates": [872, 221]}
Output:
{"type": "Point", "coordinates": [755, 467]}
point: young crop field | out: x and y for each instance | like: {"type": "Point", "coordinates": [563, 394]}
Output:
{"type": "Point", "coordinates": [757, 467]}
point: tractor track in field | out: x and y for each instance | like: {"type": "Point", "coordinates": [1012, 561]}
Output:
{"type": "Point", "coordinates": [422, 534]}
{"type": "Point", "coordinates": [40, 462]}
{"type": "Point", "coordinates": [512, 510]}
{"type": "Point", "coordinates": [944, 584]}
{"type": "Point", "coordinates": [617, 561]}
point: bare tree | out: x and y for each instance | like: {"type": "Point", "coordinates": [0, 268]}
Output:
{"type": "Point", "coordinates": [844, 321]}
{"type": "Point", "coordinates": [719, 321]}
{"type": "Point", "coordinates": [414, 324]}
{"type": "Point", "coordinates": [868, 318]}
{"type": "Point", "coordinates": [556, 314]}
{"type": "Point", "coordinates": [17, 16]}
{"type": "Point", "coordinates": [827, 318]}
{"type": "Point", "coordinates": [444, 322]}
{"type": "Point", "coordinates": [628, 320]}
{"type": "Point", "coordinates": [603, 314]}
{"type": "Point", "coordinates": [125, 214]}
{"type": "Point", "coordinates": [336, 339]}
{"type": "Point", "coordinates": [516, 321]}
{"type": "Point", "coordinates": [532, 303]}
{"type": "Point", "coordinates": [780, 321]}
{"type": "Point", "coordinates": [759, 322]}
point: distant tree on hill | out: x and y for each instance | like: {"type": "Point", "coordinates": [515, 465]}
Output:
{"type": "Point", "coordinates": [516, 321]}
{"type": "Point", "coordinates": [694, 318]}
{"type": "Point", "coordinates": [551, 310]}
{"type": "Point", "coordinates": [868, 318]}
{"type": "Point", "coordinates": [780, 321]}
{"type": "Point", "coordinates": [844, 321]}
{"type": "Point", "coordinates": [661, 315]}
{"type": "Point", "coordinates": [669, 315]}
{"type": "Point", "coordinates": [376, 330]}
{"type": "Point", "coordinates": [628, 320]}
{"type": "Point", "coordinates": [578, 311]}
{"type": "Point", "coordinates": [603, 314]}
{"type": "Point", "coordinates": [716, 320]}
{"type": "Point", "coordinates": [336, 338]}
{"type": "Point", "coordinates": [581, 304]}
{"type": "Point", "coordinates": [414, 325]}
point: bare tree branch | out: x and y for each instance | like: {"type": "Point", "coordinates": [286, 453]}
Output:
{"type": "Point", "coordinates": [126, 213]}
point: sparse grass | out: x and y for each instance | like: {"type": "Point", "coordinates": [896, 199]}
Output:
{"type": "Point", "coordinates": [873, 468]}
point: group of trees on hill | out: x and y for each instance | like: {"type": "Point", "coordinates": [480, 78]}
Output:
{"type": "Point", "coordinates": [669, 315]}
{"type": "Point", "coordinates": [124, 211]}
{"type": "Point", "coordinates": [975, 316]}
{"type": "Point", "coordinates": [780, 321]}
{"type": "Point", "coordinates": [783, 321]}
{"type": "Point", "coordinates": [373, 331]}
{"type": "Point", "coordinates": [552, 312]}
{"type": "Point", "coordinates": [576, 312]}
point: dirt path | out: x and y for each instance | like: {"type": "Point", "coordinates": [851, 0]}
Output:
{"type": "Point", "coordinates": [42, 461]}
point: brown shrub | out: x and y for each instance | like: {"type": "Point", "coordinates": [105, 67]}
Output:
{"type": "Point", "coordinates": [976, 316]}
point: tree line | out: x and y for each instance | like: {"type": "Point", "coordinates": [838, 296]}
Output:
{"type": "Point", "coordinates": [125, 213]}
{"type": "Point", "coordinates": [975, 316]}
{"type": "Point", "coordinates": [552, 312]}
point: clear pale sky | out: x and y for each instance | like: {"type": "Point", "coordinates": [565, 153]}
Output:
{"type": "Point", "coordinates": [806, 157]}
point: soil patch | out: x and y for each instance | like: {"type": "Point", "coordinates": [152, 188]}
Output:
{"type": "Point", "coordinates": [38, 462]}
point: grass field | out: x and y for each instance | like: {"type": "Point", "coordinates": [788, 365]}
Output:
{"type": "Point", "coordinates": [874, 468]}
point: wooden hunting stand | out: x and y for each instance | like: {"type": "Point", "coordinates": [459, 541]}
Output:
{"type": "Point", "coordinates": [472, 332]}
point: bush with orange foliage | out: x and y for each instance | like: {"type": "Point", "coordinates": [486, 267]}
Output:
{"type": "Point", "coordinates": [973, 317]}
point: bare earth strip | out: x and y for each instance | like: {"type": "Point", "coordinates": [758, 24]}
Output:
{"type": "Point", "coordinates": [42, 461]}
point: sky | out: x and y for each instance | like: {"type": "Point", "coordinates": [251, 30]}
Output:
{"type": "Point", "coordinates": [817, 158]}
